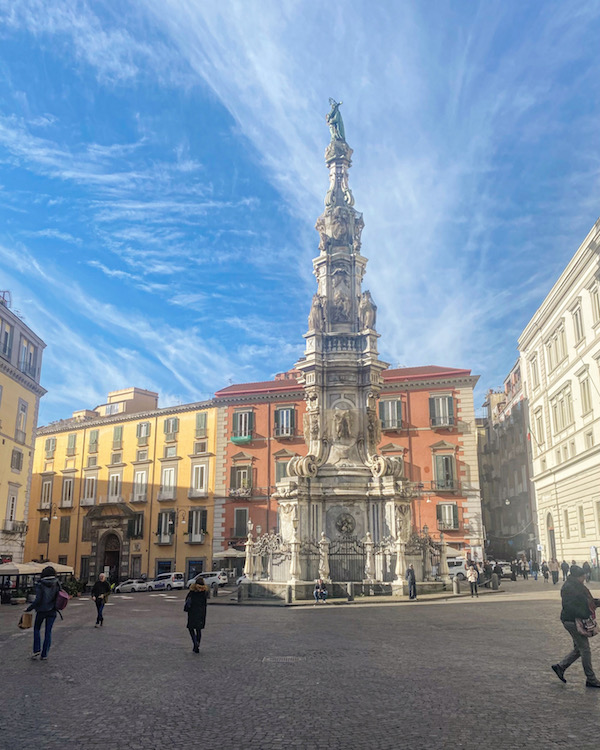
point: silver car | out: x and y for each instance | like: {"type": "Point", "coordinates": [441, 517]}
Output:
{"type": "Point", "coordinates": [133, 584]}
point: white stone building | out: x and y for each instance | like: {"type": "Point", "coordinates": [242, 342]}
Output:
{"type": "Point", "coordinates": [560, 360]}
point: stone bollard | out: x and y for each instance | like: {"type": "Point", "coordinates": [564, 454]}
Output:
{"type": "Point", "coordinates": [239, 594]}
{"type": "Point", "coordinates": [288, 594]}
{"type": "Point", "coordinates": [455, 585]}
{"type": "Point", "coordinates": [495, 582]}
{"type": "Point", "coordinates": [350, 590]}
{"type": "Point", "coordinates": [215, 589]}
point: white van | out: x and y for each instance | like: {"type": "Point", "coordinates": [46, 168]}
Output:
{"type": "Point", "coordinates": [457, 566]}
{"type": "Point", "coordinates": [166, 581]}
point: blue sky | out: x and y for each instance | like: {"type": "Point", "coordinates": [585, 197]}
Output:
{"type": "Point", "coordinates": [161, 170]}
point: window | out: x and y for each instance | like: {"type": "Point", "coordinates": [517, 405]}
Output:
{"type": "Point", "coordinates": [6, 339]}
{"type": "Point", "coordinates": [62, 559]}
{"type": "Point", "coordinates": [447, 516]}
{"type": "Point", "coordinates": [535, 375]}
{"type": "Point", "coordinates": [136, 566]}
{"type": "Point", "coordinates": [140, 480]}
{"type": "Point", "coordinates": [72, 444]}
{"type": "Point", "coordinates": [280, 470]}
{"type": "Point", "coordinates": [112, 409]}
{"type": "Point", "coordinates": [441, 411]}
{"type": "Point", "coordinates": [566, 524]}
{"type": "Point", "coordinates": [390, 414]}
{"type": "Point", "coordinates": [16, 460]}
{"type": "Point", "coordinates": [171, 428]}
{"type": "Point", "coordinates": [197, 523]}
{"type": "Point", "coordinates": [86, 529]}
{"type": "Point", "coordinates": [67, 493]}
{"type": "Point", "coordinates": [143, 433]}
{"type": "Point", "coordinates": [116, 458]}
{"type": "Point", "coordinates": [589, 439]}
{"type": "Point", "coordinates": [117, 437]}
{"type": "Point", "coordinates": [200, 447]}
{"type": "Point", "coordinates": [241, 522]}
{"type": "Point", "coordinates": [444, 473]}
{"type": "Point", "coordinates": [11, 509]}
{"type": "Point", "coordinates": [243, 424]}
{"type": "Point", "coordinates": [93, 442]}
{"type": "Point", "coordinates": [201, 424]}
{"type": "Point", "coordinates": [65, 529]}
{"type": "Point", "coordinates": [577, 324]}
{"type": "Point", "coordinates": [539, 426]}
{"type": "Point", "coordinates": [586, 396]}
{"type": "Point", "coordinates": [556, 348]}
{"type": "Point", "coordinates": [27, 357]}
{"type": "Point", "coordinates": [114, 486]}
{"type": "Point", "coordinates": [50, 447]}
{"type": "Point", "coordinates": [46, 499]}
{"type": "Point", "coordinates": [21, 426]}
{"type": "Point", "coordinates": [562, 409]}
{"type": "Point", "coordinates": [285, 422]}
{"type": "Point", "coordinates": [170, 451]}
{"type": "Point", "coordinates": [166, 526]}
{"type": "Point", "coordinates": [581, 522]}
{"type": "Point", "coordinates": [135, 526]}
{"type": "Point", "coordinates": [595, 298]}
{"type": "Point", "coordinates": [84, 568]}
{"type": "Point", "coordinates": [167, 489]}
{"type": "Point", "coordinates": [141, 455]}
{"type": "Point", "coordinates": [557, 456]}
{"type": "Point", "coordinates": [89, 491]}
{"type": "Point", "coordinates": [92, 461]}
{"type": "Point", "coordinates": [199, 478]}
{"type": "Point", "coordinates": [241, 478]}
{"type": "Point", "coordinates": [44, 530]}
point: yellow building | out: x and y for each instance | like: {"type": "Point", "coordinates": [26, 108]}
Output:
{"type": "Point", "coordinates": [20, 392]}
{"type": "Point", "coordinates": [125, 488]}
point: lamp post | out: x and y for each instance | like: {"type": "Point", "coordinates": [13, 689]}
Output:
{"type": "Point", "coordinates": [179, 514]}
{"type": "Point", "coordinates": [52, 516]}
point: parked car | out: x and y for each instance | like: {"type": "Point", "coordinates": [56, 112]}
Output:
{"type": "Point", "coordinates": [457, 566]}
{"type": "Point", "coordinates": [506, 570]}
{"type": "Point", "coordinates": [241, 579]}
{"type": "Point", "coordinates": [166, 581]}
{"type": "Point", "coordinates": [133, 584]}
{"type": "Point", "coordinates": [211, 578]}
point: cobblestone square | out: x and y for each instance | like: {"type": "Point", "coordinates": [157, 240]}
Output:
{"type": "Point", "coordinates": [462, 673]}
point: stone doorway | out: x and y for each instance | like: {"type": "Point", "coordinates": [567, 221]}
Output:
{"type": "Point", "coordinates": [111, 556]}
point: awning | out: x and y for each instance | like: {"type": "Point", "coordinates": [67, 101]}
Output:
{"type": "Point", "coordinates": [19, 569]}
{"type": "Point", "coordinates": [451, 552]}
{"type": "Point", "coordinates": [231, 552]}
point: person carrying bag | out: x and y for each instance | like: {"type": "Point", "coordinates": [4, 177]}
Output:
{"type": "Point", "coordinates": [46, 592]}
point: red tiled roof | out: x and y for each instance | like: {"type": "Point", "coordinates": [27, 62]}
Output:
{"type": "Point", "coordinates": [400, 373]}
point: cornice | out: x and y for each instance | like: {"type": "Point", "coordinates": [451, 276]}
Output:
{"type": "Point", "coordinates": [417, 385]}
{"type": "Point", "coordinates": [21, 378]}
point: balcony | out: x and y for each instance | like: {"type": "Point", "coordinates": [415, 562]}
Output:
{"type": "Point", "coordinates": [241, 438]}
{"type": "Point", "coordinates": [240, 491]}
{"type": "Point", "coordinates": [166, 493]}
{"type": "Point", "coordinates": [71, 451]}
{"type": "Point", "coordinates": [437, 485]}
{"type": "Point", "coordinates": [117, 445]}
{"type": "Point", "coordinates": [195, 538]}
{"type": "Point", "coordinates": [20, 436]}
{"type": "Point", "coordinates": [170, 437]}
{"type": "Point", "coordinates": [393, 425]}
{"type": "Point", "coordinates": [142, 440]}
{"type": "Point", "coordinates": [103, 499]}
{"type": "Point", "coordinates": [28, 368]}
{"type": "Point", "coordinates": [442, 422]}
{"type": "Point", "coordinates": [88, 500]}
{"type": "Point", "coordinates": [15, 527]}
{"type": "Point", "coordinates": [140, 495]}
{"type": "Point", "coordinates": [164, 539]}
{"type": "Point", "coordinates": [284, 432]}
{"type": "Point", "coordinates": [194, 493]}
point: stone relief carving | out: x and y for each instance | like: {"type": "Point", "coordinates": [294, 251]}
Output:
{"type": "Point", "coordinates": [367, 311]}
{"type": "Point", "coordinates": [325, 239]}
{"type": "Point", "coordinates": [373, 430]}
{"type": "Point", "coordinates": [401, 521]}
{"type": "Point", "coordinates": [340, 221]}
{"type": "Point", "coordinates": [341, 308]}
{"type": "Point", "coordinates": [343, 424]}
{"type": "Point", "coordinates": [311, 427]}
{"type": "Point", "coordinates": [345, 523]}
{"type": "Point", "coordinates": [315, 317]}
{"type": "Point", "coordinates": [290, 491]}
{"type": "Point", "coordinates": [382, 466]}
{"type": "Point", "coordinates": [303, 466]}
{"type": "Point", "coordinates": [359, 225]}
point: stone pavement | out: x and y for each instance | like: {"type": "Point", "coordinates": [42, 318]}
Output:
{"type": "Point", "coordinates": [459, 673]}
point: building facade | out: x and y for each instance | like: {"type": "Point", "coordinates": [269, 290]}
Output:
{"type": "Point", "coordinates": [20, 392]}
{"type": "Point", "coordinates": [507, 495]}
{"type": "Point", "coordinates": [560, 359]}
{"type": "Point", "coordinates": [125, 488]}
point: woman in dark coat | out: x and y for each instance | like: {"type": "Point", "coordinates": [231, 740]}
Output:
{"type": "Point", "coordinates": [195, 605]}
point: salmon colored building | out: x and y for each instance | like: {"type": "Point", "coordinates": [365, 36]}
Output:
{"type": "Point", "coordinates": [427, 418]}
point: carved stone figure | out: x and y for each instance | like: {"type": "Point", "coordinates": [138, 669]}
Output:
{"type": "Point", "coordinates": [340, 308]}
{"type": "Point", "coordinates": [315, 317]}
{"type": "Point", "coordinates": [325, 240]}
{"type": "Point", "coordinates": [373, 429]}
{"type": "Point", "coordinates": [367, 311]}
{"type": "Point", "coordinates": [343, 426]}
{"type": "Point", "coordinates": [335, 122]}
{"type": "Point", "coordinates": [324, 557]}
{"type": "Point", "coordinates": [339, 224]}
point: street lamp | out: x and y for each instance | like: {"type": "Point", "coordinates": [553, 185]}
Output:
{"type": "Point", "coordinates": [52, 516]}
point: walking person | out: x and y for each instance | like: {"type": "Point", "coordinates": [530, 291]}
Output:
{"type": "Point", "coordinates": [100, 592]}
{"type": "Point", "coordinates": [535, 569]}
{"type": "Point", "coordinates": [412, 583]}
{"type": "Point", "coordinates": [587, 570]}
{"type": "Point", "coordinates": [564, 566]}
{"type": "Point", "coordinates": [577, 604]}
{"type": "Point", "coordinates": [472, 578]}
{"type": "Point", "coordinates": [524, 569]}
{"type": "Point", "coordinates": [46, 591]}
{"type": "Point", "coordinates": [195, 606]}
{"type": "Point", "coordinates": [545, 570]}
{"type": "Point", "coordinates": [554, 569]}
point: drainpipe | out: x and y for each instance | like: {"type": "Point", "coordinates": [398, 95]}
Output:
{"type": "Point", "coordinates": [81, 485]}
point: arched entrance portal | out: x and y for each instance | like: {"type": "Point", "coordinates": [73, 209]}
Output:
{"type": "Point", "coordinates": [551, 537]}
{"type": "Point", "coordinates": [111, 560]}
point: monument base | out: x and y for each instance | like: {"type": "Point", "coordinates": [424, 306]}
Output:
{"type": "Point", "coordinates": [298, 591]}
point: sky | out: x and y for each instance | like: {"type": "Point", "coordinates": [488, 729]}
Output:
{"type": "Point", "coordinates": [161, 171]}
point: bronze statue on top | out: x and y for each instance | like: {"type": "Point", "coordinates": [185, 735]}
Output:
{"type": "Point", "coordinates": [335, 122]}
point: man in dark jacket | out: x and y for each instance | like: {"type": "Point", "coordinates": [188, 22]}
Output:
{"type": "Point", "coordinates": [576, 601]}
{"type": "Point", "coordinates": [46, 591]}
{"type": "Point", "coordinates": [564, 566]}
{"type": "Point", "coordinates": [100, 592]}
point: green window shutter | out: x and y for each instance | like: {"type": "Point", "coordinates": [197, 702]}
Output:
{"type": "Point", "coordinates": [439, 468]}
{"type": "Point", "coordinates": [250, 477]}
{"type": "Point", "coordinates": [176, 424]}
{"type": "Point", "coordinates": [277, 420]}
{"type": "Point", "coordinates": [432, 410]}
{"type": "Point", "coordinates": [250, 422]}
{"type": "Point", "coordinates": [71, 441]}
{"type": "Point", "coordinates": [93, 436]}
{"type": "Point", "coordinates": [236, 421]}
{"type": "Point", "coordinates": [172, 521]}
{"type": "Point", "coordinates": [201, 423]}
{"type": "Point", "coordinates": [138, 430]}
{"type": "Point", "coordinates": [438, 512]}
{"type": "Point", "coordinates": [293, 419]}
{"type": "Point", "coordinates": [232, 479]}
{"type": "Point", "coordinates": [190, 521]}
{"type": "Point", "coordinates": [399, 412]}
{"type": "Point", "coordinates": [450, 409]}
{"type": "Point", "coordinates": [159, 520]}
{"type": "Point", "coordinates": [455, 515]}
{"type": "Point", "coordinates": [118, 433]}
{"type": "Point", "coordinates": [166, 426]}
{"type": "Point", "coordinates": [130, 528]}
{"type": "Point", "coordinates": [382, 412]}
{"type": "Point", "coordinates": [450, 468]}
{"type": "Point", "coordinates": [203, 519]}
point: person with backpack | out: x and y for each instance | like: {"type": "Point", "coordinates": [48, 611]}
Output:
{"type": "Point", "coordinates": [100, 591]}
{"type": "Point", "coordinates": [46, 593]}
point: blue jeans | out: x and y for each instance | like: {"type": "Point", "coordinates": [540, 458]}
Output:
{"type": "Point", "coordinates": [100, 607]}
{"type": "Point", "coordinates": [40, 617]}
{"type": "Point", "coordinates": [320, 595]}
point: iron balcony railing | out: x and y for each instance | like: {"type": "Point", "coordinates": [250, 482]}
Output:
{"type": "Point", "coordinates": [194, 493]}
{"type": "Point", "coordinates": [15, 527]}
{"type": "Point", "coordinates": [139, 495]}
{"type": "Point", "coordinates": [442, 421]}
{"type": "Point", "coordinates": [167, 493]}
{"type": "Point", "coordinates": [20, 436]}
